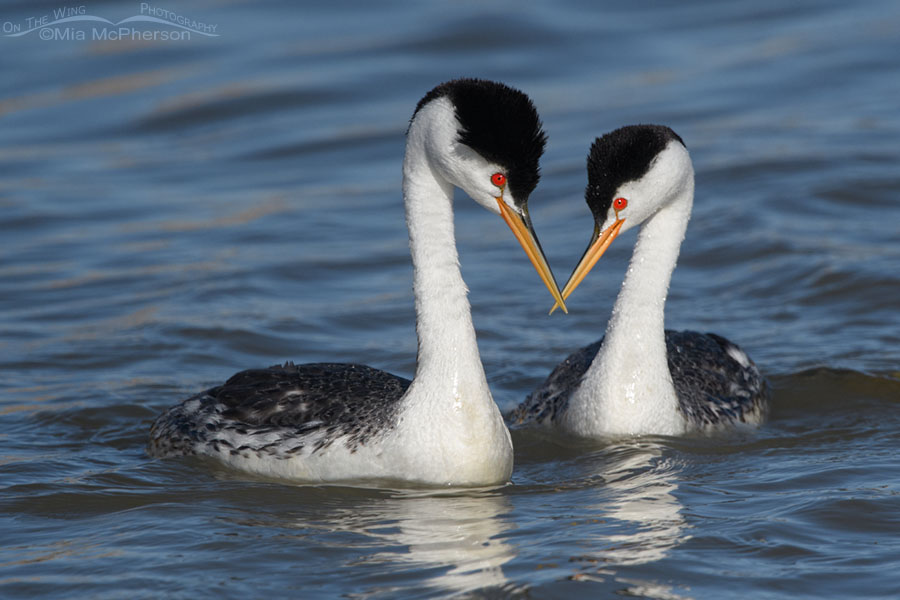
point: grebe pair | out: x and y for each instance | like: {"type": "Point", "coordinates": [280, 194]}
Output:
{"type": "Point", "coordinates": [346, 422]}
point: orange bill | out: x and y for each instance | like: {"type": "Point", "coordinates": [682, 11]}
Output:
{"type": "Point", "coordinates": [524, 232]}
{"type": "Point", "coordinates": [599, 243]}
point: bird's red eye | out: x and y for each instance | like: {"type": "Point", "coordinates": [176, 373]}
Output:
{"type": "Point", "coordinates": [620, 204]}
{"type": "Point", "coordinates": [498, 179]}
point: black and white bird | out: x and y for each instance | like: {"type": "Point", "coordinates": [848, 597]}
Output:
{"type": "Point", "coordinates": [348, 422]}
{"type": "Point", "coordinates": [640, 378]}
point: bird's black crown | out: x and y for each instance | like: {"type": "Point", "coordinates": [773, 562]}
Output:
{"type": "Point", "coordinates": [619, 156]}
{"type": "Point", "coordinates": [501, 124]}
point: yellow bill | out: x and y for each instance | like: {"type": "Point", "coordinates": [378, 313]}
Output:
{"type": "Point", "coordinates": [599, 243]}
{"type": "Point", "coordinates": [524, 232]}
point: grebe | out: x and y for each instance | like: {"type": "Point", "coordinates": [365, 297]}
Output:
{"type": "Point", "coordinates": [348, 422]}
{"type": "Point", "coordinates": [640, 378]}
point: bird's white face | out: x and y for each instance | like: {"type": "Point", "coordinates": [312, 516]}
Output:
{"type": "Point", "coordinates": [484, 181]}
{"type": "Point", "coordinates": [458, 164]}
{"type": "Point", "coordinates": [487, 184]}
{"type": "Point", "coordinates": [669, 176]}
{"type": "Point", "coordinates": [636, 201]}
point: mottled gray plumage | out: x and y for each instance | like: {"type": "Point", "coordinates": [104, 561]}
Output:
{"type": "Point", "coordinates": [712, 387]}
{"type": "Point", "coordinates": [282, 411]}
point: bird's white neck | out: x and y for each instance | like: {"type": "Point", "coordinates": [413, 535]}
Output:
{"type": "Point", "coordinates": [628, 388]}
{"type": "Point", "coordinates": [447, 346]}
{"type": "Point", "coordinates": [448, 410]}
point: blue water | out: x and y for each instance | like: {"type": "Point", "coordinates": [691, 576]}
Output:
{"type": "Point", "coordinates": [176, 211]}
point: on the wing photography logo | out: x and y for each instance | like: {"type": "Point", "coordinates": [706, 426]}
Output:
{"type": "Point", "coordinates": [74, 23]}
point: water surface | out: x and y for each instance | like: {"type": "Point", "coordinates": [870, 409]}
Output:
{"type": "Point", "coordinates": [173, 212]}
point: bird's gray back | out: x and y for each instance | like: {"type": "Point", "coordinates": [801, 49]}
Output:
{"type": "Point", "coordinates": [713, 387]}
{"type": "Point", "coordinates": [275, 410]}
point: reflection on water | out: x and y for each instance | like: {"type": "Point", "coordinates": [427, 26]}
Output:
{"type": "Point", "coordinates": [640, 517]}
{"type": "Point", "coordinates": [642, 489]}
{"type": "Point", "coordinates": [456, 540]}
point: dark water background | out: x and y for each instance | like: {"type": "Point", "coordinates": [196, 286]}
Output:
{"type": "Point", "coordinates": [174, 211]}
